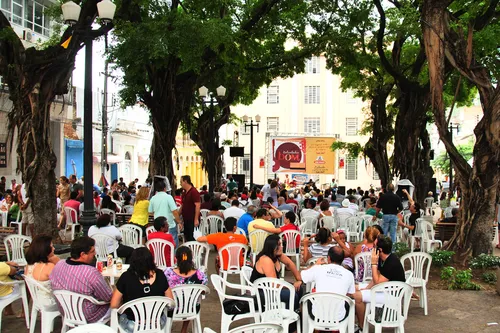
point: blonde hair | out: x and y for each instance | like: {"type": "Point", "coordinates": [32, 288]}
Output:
{"type": "Point", "coordinates": [142, 194]}
{"type": "Point", "coordinates": [371, 234]}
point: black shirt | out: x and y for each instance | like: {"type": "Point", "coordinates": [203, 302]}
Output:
{"type": "Point", "coordinates": [413, 221]}
{"type": "Point", "coordinates": [131, 288]}
{"type": "Point", "coordinates": [390, 204]}
{"type": "Point", "coordinates": [391, 268]}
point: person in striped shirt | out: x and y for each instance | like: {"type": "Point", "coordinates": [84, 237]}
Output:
{"type": "Point", "coordinates": [77, 274]}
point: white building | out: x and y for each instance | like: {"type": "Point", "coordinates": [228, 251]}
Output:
{"type": "Point", "coordinates": [309, 104]}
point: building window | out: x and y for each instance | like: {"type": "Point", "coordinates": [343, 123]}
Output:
{"type": "Point", "coordinates": [245, 167]}
{"type": "Point", "coordinates": [243, 130]}
{"type": "Point", "coordinates": [350, 97]}
{"type": "Point", "coordinates": [312, 65]}
{"type": "Point", "coordinates": [311, 95]}
{"type": "Point", "coordinates": [478, 118]}
{"type": "Point", "coordinates": [272, 124]}
{"type": "Point", "coordinates": [375, 175]}
{"type": "Point", "coordinates": [351, 126]}
{"type": "Point", "coordinates": [312, 125]}
{"type": "Point", "coordinates": [34, 18]}
{"type": "Point", "coordinates": [351, 170]}
{"type": "Point", "coordinates": [273, 95]}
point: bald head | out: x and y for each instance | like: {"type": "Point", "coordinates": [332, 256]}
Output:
{"type": "Point", "coordinates": [336, 255]}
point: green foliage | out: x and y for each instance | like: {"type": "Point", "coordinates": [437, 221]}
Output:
{"type": "Point", "coordinates": [401, 249]}
{"type": "Point", "coordinates": [227, 142]}
{"type": "Point", "coordinates": [441, 257]}
{"type": "Point", "coordinates": [485, 261]}
{"type": "Point", "coordinates": [353, 149]}
{"type": "Point", "coordinates": [459, 279]}
{"type": "Point", "coordinates": [442, 162]}
{"type": "Point", "coordinates": [489, 277]}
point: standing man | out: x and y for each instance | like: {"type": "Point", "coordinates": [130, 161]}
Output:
{"type": "Point", "coordinates": [28, 218]}
{"type": "Point", "coordinates": [163, 205]}
{"type": "Point", "coordinates": [266, 190]}
{"type": "Point", "coordinates": [390, 204]}
{"type": "Point", "coordinates": [75, 186]}
{"type": "Point", "coordinates": [190, 208]}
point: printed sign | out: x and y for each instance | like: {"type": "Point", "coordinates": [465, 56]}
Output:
{"type": "Point", "coordinates": [3, 155]}
{"type": "Point", "coordinates": [288, 154]}
{"type": "Point", "coordinates": [320, 157]}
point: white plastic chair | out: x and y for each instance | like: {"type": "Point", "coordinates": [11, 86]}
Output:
{"type": "Point", "coordinates": [200, 254]}
{"type": "Point", "coordinates": [204, 226]}
{"type": "Point", "coordinates": [246, 272]}
{"type": "Point", "coordinates": [240, 231]}
{"type": "Point", "coordinates": [131, 235]}
{"type": "Point", "coordinates": [494, 241]}
{"type": "Point", "coordinates": [365, 258]}
{"type": "Point", "coordinates": [14, 248]}
{"type": "Point", "coordinates": [420, 264]}
{"type": "Point", "coordinates": [71, 220]}
{"type": "Point", "coordinates": [271, 309]}
{"type": "Point", "coordinates": [428, 240]}
{"type": "Point", "coordinates": [157, 247]}
{"type": "Point", "coordinates": [236, 254]}
{"type": "Point", "coordinates": [294, 206]}
{"type": "Point", "coordinates": [447, 212]}
{"type": "Point", "coordinates": [365, 203]}
{"type": "Point", "coordinates": [72, 306]}
{"type": "Point", "coordinates": [291, 237]}
{"type": "Point", "coordinates": [92, 328]}
{"type": "Point", "coordinates": [129, 209]}
{"type": "Point", "coordinates": [220, 286]}
{"type": "Point", "coordinates": [417, 234]}
{"type": "Point", "coordinates": [395, 297]}
{"type": "Point", "coordinates": [256, 239]}
{"type": "Point", "coordinates": [19, 292]}
{"type": "Point", "coordinates": [111, 213]}
{"type": "Point", "coordinates": [252, 328]}
{"type": "Point", "coordinates": [342, 221]}
{"type": "Point", "coordinates": [326, 308]}
{"type": "Point", "coordinates": [215, 224]}
{"type": "Point", "coordinates": [328, 222]}
{"type": "Point", "coordinates": [150, 230]}
{"type": "Point", "coordinates": [187, 297]}
{"type": "Point", "coordinates": [147, 312]}
{"type": "Point", "coordinates": [47, 313]}
{"type": "Point", "coordinates": [353, 232]}
{"type": "Point", "coordinates": [309, 225]}
{"type": "Point", "coordinates": [103, 243]}
{"type": "Point", "coordinates": [19, 223]}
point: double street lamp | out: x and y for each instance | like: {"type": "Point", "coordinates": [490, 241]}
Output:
{"type": "Point", "coordinates": [452, 127]}
{"type": "Point", "coordinates": [251, 125]}
{"type": "Point", "coordinates": [214, 142]}
{"type": "Point", "coordinates": [71, 13]}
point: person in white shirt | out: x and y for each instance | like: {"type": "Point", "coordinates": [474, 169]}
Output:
{"type": "Point", "coordinates": [309, 211]}
{"type": "Point", "coordinates": [331, 277]}
{"type": "Point", "coordinates": [234, 210]}
{"type": "Point", "coordinates": [103, 226]}
{"type": "Point", "coordinates": [266, 190]}
{"type": "Point", "coordinates": [353, 204]}
{"type": "Point", "coordinates": [345, 208]}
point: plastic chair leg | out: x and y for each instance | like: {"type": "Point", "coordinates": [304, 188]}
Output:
{"type": "Point", "coordinates": [34, 313]}
{"type": "Point", "coordinates": [26, 307]}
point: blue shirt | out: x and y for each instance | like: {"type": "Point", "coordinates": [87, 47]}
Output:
{"type": "Point", "coordinates": [335, 204]}
{"type": "Point", "coordinates": [286, 207]}
{"type": "Point", "coordinates": [244, 221]}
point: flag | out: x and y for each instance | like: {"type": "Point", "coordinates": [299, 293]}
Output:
{"type": "Point", "coordinates": [66, 43]}
{"type": "Point", "coordinates": [103, 182]}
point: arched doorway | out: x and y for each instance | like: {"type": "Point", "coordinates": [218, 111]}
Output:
{"type": "Point", "coordinates": [127, 167]}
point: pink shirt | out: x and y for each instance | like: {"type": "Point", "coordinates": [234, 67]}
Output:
{"type": "Point", "coordinates": [75, 205]}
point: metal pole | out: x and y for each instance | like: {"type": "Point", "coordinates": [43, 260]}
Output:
{"type": "Point", "coordinates": [212, 166]}
{"type": "Point", "coordinates": [104, 143]}
{"type": "Point", "coordinates": [251, 153]}
{"type": "Point", "coordinates": [88, 217]}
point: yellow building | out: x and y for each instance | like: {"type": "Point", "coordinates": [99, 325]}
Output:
{"type": "Point", "coordinates": [189, 161]}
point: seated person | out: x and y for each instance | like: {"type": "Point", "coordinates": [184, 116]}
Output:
{"type": "Point", "coordinates": [221, 239]}
{"type": "Point", "coordinates": [385, 267]}
{"type": "Point", "coordinates": [289, 224]}
{"type": "Point", "coordinates": [331, 277]}
{"type": "Point", "coordinates": [346, 208]}
{"type": "Point", "coordinates": [453, 218]}
{"type": "Point", "coordinates": [216, 206]}
{"type": "Point", "coordinates": [371, 208]}
{"type": "Point", "coordinates": [268, 264]}
{"type": "Point", "coordinates": [142, 279]}
{"type": "Point", "coordinates": [319, 248]}
{"type": "Point", "coordinates": [309, 210]}
{"type": "Point", "coordinates": [415, 214]}
{"type": "Point", "coordinates": [161, 227]}
{"type": "Point", "coordinates": [8, 269]}
{"type": "Point", "coordinates": [247, 218]}
{"type": "Point", "coordinates": [103, 227]}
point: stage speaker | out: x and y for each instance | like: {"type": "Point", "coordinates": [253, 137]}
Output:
{"type": "Point", "coordinates": [238, 178]}
{"type": "Point", "coordinates": [237, 151]}
{"type": "Point", "coordinates": [341, 190]}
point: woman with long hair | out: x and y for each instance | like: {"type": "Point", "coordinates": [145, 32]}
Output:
{"type": "Point", "coordinates": [41, 261]}
{"type": "Point", "coordinates": [273, 192]}
{"type": "Point", "coordinates": [320, 247]}
{"type": "Point", "coordinates": [216, 205]}
{"type": "Point", "coordinates": [268, 264]}
{"type": "Point", "coordinates": [367, 245]}
{"type": "Point", "coordinates": [324, 206]}
{"type": "Point", "coordinates": [140, 216]}
{"type": "Point", "coordinates": [107, 203]}
{"type": "Point", "coordinates": [142, 279]}
{"type": "Point", "coordinates": [185, 273]}
{"type": "Point", "coordinates": [63, 190]}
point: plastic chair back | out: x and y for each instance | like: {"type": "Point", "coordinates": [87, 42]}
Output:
{"type": "Point", "coordinates": [215, 224]}
{"type": "Point", "coordinates": [150, 230]}
{"type": "Point", "coordinates": [14, 248]}
{"type": "Point", "coordinates": [187, 297]}
{"type": "Point", "coordinates": [395, 297]}
{"type": "Point", "coordinates": [92, 328]}
{"type": "Point", "coordinates": [147, 312]}
{"type": "Point", "coordinates": [103, 245]}
{"type": "Point", "coordinates": [326, 308]}
{"type": "Point", "coordinates": [111, 213]}
{"type": "Point", "coordinates": [291, 238]}
{"type": "Point", "coordinates": [131, 235]}
{"type": "Point", "coordinates": [309, 225]}
{"type": "Point", "coordinates": [363, 258]}
{"type": "Point", "coordinates": [72, 306]}
{"type": "Point", "coordinates": [268, 292]}
{"type": "Point", "coordinates": [200, 254]}
{"type": "Point", "coordinates": [234, 253]}
{"type": "Point", "coordinates": [420, 264]}
{"type": "Point", "coordinates": [328, 222]}
{"type": "Point", "coordinates": [158, 248]}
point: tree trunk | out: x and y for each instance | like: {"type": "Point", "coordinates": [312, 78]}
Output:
{"type": "Point", "coordinates": [411, 139]}
{"type": "Point", "coordinates": [383, 130]}
{"type": "Point", "coordinates": [479, 184]}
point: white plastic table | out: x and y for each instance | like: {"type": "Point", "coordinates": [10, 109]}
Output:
{"type": "Point", "coordinates": [114, 273]}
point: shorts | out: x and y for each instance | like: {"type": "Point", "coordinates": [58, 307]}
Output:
{"type": "Point", "coordinates": [367, 295]}
{"type": "Point", "coordinates": [27, 215]}
{"type": "Point", "coordinates": [143, 227]}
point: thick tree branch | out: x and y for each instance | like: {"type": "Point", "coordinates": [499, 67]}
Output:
{"type": "Point", "coordinates": [258, 13]}
{"type": "Point", "coordinates": [482, 21]}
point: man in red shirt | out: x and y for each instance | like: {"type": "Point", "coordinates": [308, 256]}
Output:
{"type": "Point", "coordinates": [221, 239]}
{"type": "Point", "coordinates": [190, 209]}
{"type": "Point", "coordinates": [73, 203]}
{"type": "Point", "coordinates": [161, 227]}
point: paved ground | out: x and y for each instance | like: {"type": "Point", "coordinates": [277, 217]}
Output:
{"type": "Point", "coordinates": [449, 311]}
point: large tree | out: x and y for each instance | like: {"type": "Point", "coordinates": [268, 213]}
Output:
{"type": "Point", "coordinates": [464, 35]}
{"type": "Point", "coordinates": [34, 78]}
{"type": "Point", "coordinates": [167, 50]}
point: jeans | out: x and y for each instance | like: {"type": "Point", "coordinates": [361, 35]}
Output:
{"type": "Point", "coordinates": [175, 235]}
{"type": "Point", "coordinates": [390, 225]}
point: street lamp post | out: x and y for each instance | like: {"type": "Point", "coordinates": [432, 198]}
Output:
{"type": "Point", "coordinates": [71, 13]}
{"type": "Point", "coordinates": [203, 92]}
{"type": "Point", "coordinates": [451, 127]}
{"type": "Point", "coordinates": [251, 125]}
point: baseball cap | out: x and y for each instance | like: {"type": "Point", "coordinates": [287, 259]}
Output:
{"type": "Point", "coordinates": [223, 196]}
